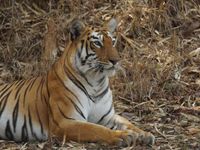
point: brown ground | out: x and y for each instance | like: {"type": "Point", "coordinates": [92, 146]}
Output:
{"type": "Point", "coordinates": [159, 43]}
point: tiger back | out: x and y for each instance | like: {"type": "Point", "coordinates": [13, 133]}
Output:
{"type": "Point", "coordinates": [74, 100]}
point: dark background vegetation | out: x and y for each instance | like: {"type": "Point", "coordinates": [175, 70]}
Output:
{"type": "Point", "coordinates": [159, 44]}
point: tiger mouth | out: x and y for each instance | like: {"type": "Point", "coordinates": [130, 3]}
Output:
{"type": "Point", "coordinates": [105, 66]}
{"type": "Point", "coordinates": [110, 67]}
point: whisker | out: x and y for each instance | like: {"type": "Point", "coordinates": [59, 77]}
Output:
{"type": "Point", "coordinates": [121, 69]}
{"type": "Point", "coordinates": [103, 63]}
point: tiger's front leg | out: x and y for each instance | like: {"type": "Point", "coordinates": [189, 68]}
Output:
{"type": "Point", "coordinates": [120, 123]}
{"type": "Point", "coordinates": [88, 132]}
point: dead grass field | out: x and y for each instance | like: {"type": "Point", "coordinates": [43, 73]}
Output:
{"type": "Point", "coordinates": [159, 43]}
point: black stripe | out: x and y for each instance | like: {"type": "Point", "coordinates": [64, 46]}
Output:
{"type": "Point", "coordinates": [6, 89]}
{"type": "Point", "coordinates": [3, 103]}
{"type": "Point", "coordinates": [82, 44]}
{"type": "Point", "coordinates": [101, 68]}
{"type": "Point", "coordinates": [49, 107]}
{"type": "Point", "coordinates": [103, 93]}
{"type": "Point", "coordinates": [41, 92]}
{"type": "Point", "coordinates": [15, 114]}
{"type": "Point", "coordinates": [31, 125]}
{"type": "Point", "coordinates": [105, 115]}
{"type": "Point", "coordinates": [86, 48]}
{"type": "Point", "coordinates": [75, 106]}
{"type": "Point", "coordinates": [83, 75]}
{"type": "Point", "coordinates": [30, 84]}
{"type": "Point", "coordinates": [39, 87]}
{"type": "Point", "coordinates": [30, 121]}
{"type": "Point", "coordinates": [67, 88]}
{"type": "Point", "coordinates": [45, 100]}
{"type": "Point", "coordinates": [78, 109]}
{"type": "Point", "coordinates": [19, 86]}
{"type": "Point", "coordinates": [62, 113]}
{"type": "Point", "coordinates": [42, 130]}
{"type": "Point", "coordinates": [89, 55]}
{"type": "Point", "coordinates": [113, 126]}
{"type": "Point", "coordinates": [24, 131]}
{"type": "Point", "coordinates": [80, 51]}
{"type": "Point", "coordinates": [52, 117]}
{"type": "Point", "coordinates": [101, 80]}
{"type": "Point", "coordinates": [8, 131]}
{"type": "Point", "coordinates": [77, 83]}
{"type": "Point", "coordinates": [48, 93]}
{"type": "Point", "coordinates": [3, 86]}
{"type": "Point", "coordinates": [94, 37]}
{"type": "Point", "coordinates": [106, 124]}
{"type": "Point", "coordinates": [19, 83]}
{"type": "Point", "coordinates": [83, 62]}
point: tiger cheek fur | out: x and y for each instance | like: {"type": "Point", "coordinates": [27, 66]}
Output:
{"type": "Point", "coordinates": [107, 52]}
{"type": "Point", "coordinates": [74, 100]}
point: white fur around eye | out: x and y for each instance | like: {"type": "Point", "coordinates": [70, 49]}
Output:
{"type": "Point", "coordinates": [114, 40]}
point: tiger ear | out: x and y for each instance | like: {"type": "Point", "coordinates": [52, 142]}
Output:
{"type": "Point", "coordinates": [76, 28]}
{"type": "Point", "coordinates": [112, 25]}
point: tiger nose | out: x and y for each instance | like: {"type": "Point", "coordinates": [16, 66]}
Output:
{"type": "Point", "coordinates": [114, 61]}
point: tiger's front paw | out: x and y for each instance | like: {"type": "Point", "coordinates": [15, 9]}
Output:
{"type": "Point", "coordinates": [123, 138]}
{"type": "Point", "coordinates": [146, 138]}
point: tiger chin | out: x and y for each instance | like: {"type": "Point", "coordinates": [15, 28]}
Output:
{"type": "Point", "coordinates": [74, 100]}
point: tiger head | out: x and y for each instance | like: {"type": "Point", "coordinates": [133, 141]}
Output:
{"type": "Point", "coordinates": [96, 51]}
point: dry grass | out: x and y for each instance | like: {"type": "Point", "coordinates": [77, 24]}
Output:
{"type": "Point", "coordinates": [159, 43]}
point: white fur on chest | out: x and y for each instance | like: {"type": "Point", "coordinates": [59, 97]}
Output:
{"type": "Point", "coordinates": [93, 109]}
{"type": "Point", "coordinates": [100, 108]}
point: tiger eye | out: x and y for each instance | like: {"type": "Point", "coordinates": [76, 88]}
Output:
{"type": "Point", "coordinates": [98, 43]}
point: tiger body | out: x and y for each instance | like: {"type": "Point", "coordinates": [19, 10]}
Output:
{"type": "Point", "coordinates": [21, 118]}
{"type": "Point", "coordinates": [73, 100]}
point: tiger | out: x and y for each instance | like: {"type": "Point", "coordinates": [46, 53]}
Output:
{"type": "Point", "coordinates": [73, 100]}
